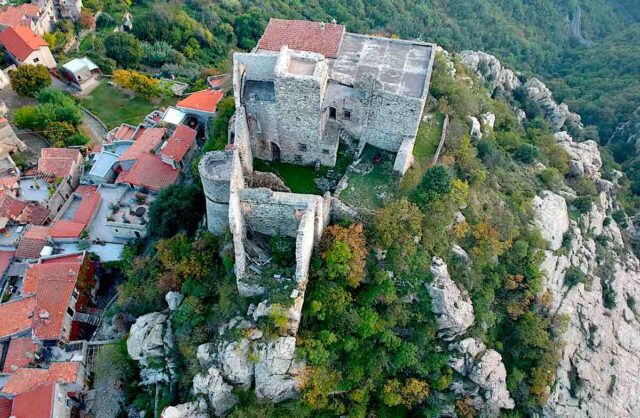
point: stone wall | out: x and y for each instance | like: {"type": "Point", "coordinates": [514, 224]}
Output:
{"type": "Point", "coordinates": [404, 158]}
{"type": "Point", "coordinates": [239, 137]}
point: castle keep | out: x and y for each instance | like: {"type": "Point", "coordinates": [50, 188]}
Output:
{"type": "Point", "coordinates": [307, 86]}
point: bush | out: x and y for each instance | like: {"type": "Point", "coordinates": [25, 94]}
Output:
{"type": "Point", "coordinates": [124, 48]}
{"type": "Point", "coordinates": [583, 204]}
{"type": "Point", "coordinates": [140, 83]}
{"type": "Point", "coordinates": [526, 153]}
{"type": "Point", "coordinates": [551, 178]}
{"type": "Point", "coordinates": [29, 79]}
{"type": "Point", "coordinates": [435, 184]}
{"type": "Point", "coordinates": [177, 208]}
{"type": "Point", "coordinates": [573, 276]}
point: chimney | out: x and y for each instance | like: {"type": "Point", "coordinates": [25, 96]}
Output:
{"type": "Point", "coordinates": [321, 25]}
{"type": "Point", "coordinates": [334, 21]}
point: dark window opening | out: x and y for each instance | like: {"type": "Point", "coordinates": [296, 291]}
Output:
{"type": "Point", "coordinates": [332, 113]}
{"type": "Point", "coordinates": [302, 147]}
{"type": "Point", "coordinates": [325, 151]}
{"type": "Point", "coordinates": [347, 114]}
{"type": "Point", "coordinates": [70, 311]}
{"type": "Point", "coordinates": [298, 158]}
{"type": "Point", "coordinates": [232, 137]}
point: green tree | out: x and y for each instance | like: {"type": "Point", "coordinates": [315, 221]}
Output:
{"type": "Point", "coordinates": [249, 27]}
{"type": "Point", "coordinates": [28, 80]}
{"type": "Point", "coordinates": [124, 48]}
{"type": "Point", "coordinates": [177, 208]}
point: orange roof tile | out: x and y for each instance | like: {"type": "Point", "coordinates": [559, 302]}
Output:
{"type": "Point", "coordinates": [88, 206]}
{"type": "Point", "coordinates": [5, 260]}
{"type": "Point", "coordinates": [21, 41]}
{"type": "Point", "coordinates": [32, 242]}
{"type": "Point", "coordinates": [53, 285]}
{"type": "Point", "coordinates": [125, 132]}
{"type": "Point", "coordinates": [20, 353]}
{"type": "Point", "coordinates": [9, 182]}
{"type": "Point", "coordinates": [179, 143]}
{"type": "Point", "coordinates": [58, 161]}
{"type": "Point", "coordinates": [5, 407]}
{"type": "Point", "coordinates": [204, 100]}
{"type": "Point", "coordinates": [146, 143]}
{"type": "Point", "coordinates": [85, 189]}
{"type": "Point", "coordinates": [34, 214]}
{"type": "Point", "coordinates": [25, 380]}
{"type": "Point", "coordinates": [302, 35]}
{"type": "Point", "coordinates": [37, 403]}
{"type": "Point", "coordinates": [150, 172]}
{"type": "Point", "coordinates": [19, 15]}
{"type": "Point", "coordinates": [66, 229]}
{"type": "Point", "coordinates": [10, 207]}
{"type": "Point", "coordinates": [16, 316]}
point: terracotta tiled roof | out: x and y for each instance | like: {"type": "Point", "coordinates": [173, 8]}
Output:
{"type": "Point", "coordinates": [11, 208]}
{"type": "Point", "coordinates": [37, 403]}
{"type": "Point", "coordinates": [146, 143]}
{"type": "Point", "coordinates": [125, 132]}
{"type": "Point", "coordinates": [77, 258]}
{"type": "Point", "coordinates": [88, 206]}
{"type": "Point", "coordinates": [19, 15]}
{"type": "Point", "coordinates": [58, 161]}
{"type": "Point", "coordinates": [150, 172]}
{"type": "Point", "coordinates": [85, 189]}
{"type": "Point", "coordinates": [204, 101]}
{"type": "Point", "coordinates": [302, 35]}
{"type": "Point", "coordinates": [32, 242]}
{"type": "Point", "coordinates": [16, 316]}
{"type": "Point", "coordinates": [34, 214]}
{"type": "Point", "coordinates": [21, 41]}
{"type": "Point", "coordinates": [20, 353]}
{"type": "Point", "coordinates": [5, 260]}
{"type": "Point", "coordinates": [66, 229]}
{"type": "Point", "coordinates": [53, 285]}
{"type": "Point", "coordinates": [9, 182]}
{"type": "Point", "coordinates": [25, 380]}
{"type": "Point", "coordinates": [5, 407]}
{"type": "Point", "coordinates": [179, 143]}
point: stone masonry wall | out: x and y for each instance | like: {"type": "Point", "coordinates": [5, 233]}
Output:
{"type": "Point", "coordinates": [391, 119]}
{"type": "Point", "coordinates": [404, 158]}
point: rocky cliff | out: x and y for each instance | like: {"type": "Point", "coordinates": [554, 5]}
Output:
{"type": "Point", "coordinates": [591, 273]}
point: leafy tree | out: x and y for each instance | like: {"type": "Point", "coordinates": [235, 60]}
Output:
{"type": "Point", "coordinates": [218, 130]}
{"type": "Point", "coordinates": [527, 153]}
{"type": "Point", "coordinates": [249, 27]}
{"type": "Point", "coordinates": [28, 80]}
{"type": "Point", "coordinates": [435, 184]}
{"type": "Point", "coordinates": [177, 208]}
{"type": "Point", "coordinates": [124, 48]}
{"type": "Point", "coordinates": [140, 83]}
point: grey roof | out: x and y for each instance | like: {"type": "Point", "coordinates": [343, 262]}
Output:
{"type": "Point", "coordinates": [403, 67]}
{"type": "Point", "coordinates": [80, 64]}
{"type": "Point", "coordinates": [103, 163]}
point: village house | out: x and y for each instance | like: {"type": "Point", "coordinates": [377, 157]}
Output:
{"type": "Point", "coordinates": [81, 72]}
{"type": "Point", "coordinates": [62, 169]}
{"type": "Point", "coordinates": [180, 147]}
{"type": "Point", "coordinates": [308, 86]}
{"type": "Point", "coordinates": [39, 18]}
{"type": "Point", "coordinates": [201, 104]}
{"type": "Point", "coordinates": [25, 47]}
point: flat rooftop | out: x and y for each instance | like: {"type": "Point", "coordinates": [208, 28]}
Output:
{"type": "Point", "coordinates": [402, 67]}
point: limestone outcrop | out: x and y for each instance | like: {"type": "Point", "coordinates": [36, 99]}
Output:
{"type": "Point", "coordinates": [556, 114]}
{"type": "Point", "coordinates": [219, 393]}
{"type": "Point", "coordinates": [584, 157]}
{"type": "Point", "coordinates": [149, 343]}
{"type": "Point", "coordinates": [453, 310]}
{"type": "Point", "coordinates": [483, 367]}
{"type": "Point", "coordinates": [551, 216]}
{"type": "Point", "coordinates": [491, 70]}
{"type": "Point", "coordinates": [186, 410]}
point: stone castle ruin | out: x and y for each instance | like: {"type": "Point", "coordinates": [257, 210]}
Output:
{"type": "Point", "coordinates": [306, 88]}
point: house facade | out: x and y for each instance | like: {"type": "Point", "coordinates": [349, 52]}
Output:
{"type": "Point", "coordinates": [26, 47]}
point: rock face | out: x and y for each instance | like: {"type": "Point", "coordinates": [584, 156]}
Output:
{"type": "Point", "coordinates": [174, 300]}
{"type": "Point", "coordinates": [629, 132]}
{"type": "Point", "coordinates": [600, 366]}
{"type": "Point", "coordinates": [454, 312]}
{"type": "Point", "coordinates": [491, 70]}
{"type": "Point", "coordinates": [484, 368]}
{"type": "Point", "coordinates": [584, 157]}
{"type": "Point", "coordinates": [274, 369]}
{"type": "Point", "coordinates": [476, 129]}
{"type": "Point", "coordinates": [556, 114]}
{"type": "Point", "coordinates": [220, 395]}
{"type": "Point", "coordinates": [150, 341]}
{"type": "Point", "coordinates": [551, 217]}
{"type": "Point", "coordinates": [186, 410]}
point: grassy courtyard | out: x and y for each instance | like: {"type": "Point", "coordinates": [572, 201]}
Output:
{"type": "Point", "coordinates": [114, 106]}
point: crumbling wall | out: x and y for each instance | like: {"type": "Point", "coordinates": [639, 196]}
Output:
{"type": "Point", "coordinates": [262, 117]}
{"type": "Point", "coordinates": [304, 245]}
{"type": "Point", "coordinates": [404, 158]}
{"type": "Point", "coordinates": [239, 132]}
{"type": "Point", "coordinates": [258, 67]}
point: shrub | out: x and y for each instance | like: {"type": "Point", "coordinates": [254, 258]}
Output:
{"type": "Point", "coordinates": [124, 48]}
{"type": "Point", "coordinates": [551, 178]}
{"type": "Point", "coordinates": [583, 204]}
{"type": "Point", "coordinates": [573, 276]}
{"type": "Point", "coordinates": [29, 79]}
{"type": "Point", "coordinates": [140, 83]}
{"type": "Point", "coordinates": [526, 153]}
{"type": "Point", "coordinates": [435, 184]}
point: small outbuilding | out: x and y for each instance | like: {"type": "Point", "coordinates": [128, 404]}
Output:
{"type": "Point", "coordinates": [81, 71]}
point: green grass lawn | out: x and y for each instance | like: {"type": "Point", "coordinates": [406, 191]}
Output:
{"type": "Point", "coordinates": [114, 107]}
{"type": "Point", "coordinates": [372, 189]}
{"type": "Point", "coordinates": [423, 151]}
{"type": "Point", "coordinates": [299, 178]}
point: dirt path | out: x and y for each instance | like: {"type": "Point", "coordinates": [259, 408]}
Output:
{"type": "Point", "coordinates": [93, 128]}
{"type": "Point", "coordinates": [576, 28]}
